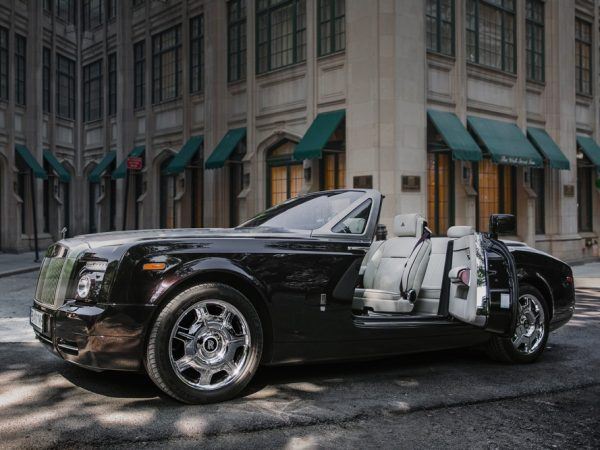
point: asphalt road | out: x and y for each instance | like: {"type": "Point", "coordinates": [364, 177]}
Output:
{"type": "Point", "coordinates": [443, 399]}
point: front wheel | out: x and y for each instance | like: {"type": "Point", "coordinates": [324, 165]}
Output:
{"type": "Point", "coordinates": [205, 345]}
{"type": "Point", "coordinates": [531, 333]}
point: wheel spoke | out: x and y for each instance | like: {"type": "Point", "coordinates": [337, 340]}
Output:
{"type": "Point", "coordinates": [226, 319]}
{"type": "Point", "coordinates": [187, 362]}
{"type": "Point", "coordinates": [206, 377]}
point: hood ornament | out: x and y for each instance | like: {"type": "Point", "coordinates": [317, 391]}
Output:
{"type": "Point", "coordinates": [63, 232]}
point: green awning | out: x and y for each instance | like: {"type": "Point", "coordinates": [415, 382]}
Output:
{"type": "Point", "coordinates": [29, 159]}
{"type": "Point", "coordinates": [121, 171]}
{"type": "Point", "coordinates": [185, 155]}
{"type": "Point", "coordinates": [548, 148]}
{"type": "Point", "coordinates": [505, 142]}
{"type": "Point", "coordinates": [96, 174]}
{"type": "Point", "coordinates": [590, 148]}
{"type": "Point", "coordinates": [62, 173]}
{"type": "Point", "coordinates": [319, 132]}
{"type": "Point", "coordinates": [455, 135]}
{"type": "Point", "coordinates": [225, 148]}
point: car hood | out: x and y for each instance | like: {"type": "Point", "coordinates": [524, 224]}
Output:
{"type": "Point", "coordinates": [118, 238]}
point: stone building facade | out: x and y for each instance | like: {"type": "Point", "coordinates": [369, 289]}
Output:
{"type": "Point", "coordinates": [229, 107]}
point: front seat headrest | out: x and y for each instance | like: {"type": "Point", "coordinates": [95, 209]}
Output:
{"type": "Point", "coordinates": [408, 225]}
{"type": "Point", "coordinates": [459, 231]}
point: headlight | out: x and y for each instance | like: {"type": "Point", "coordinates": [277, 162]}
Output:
{"type": "Point", "coordinates": [84, 286]}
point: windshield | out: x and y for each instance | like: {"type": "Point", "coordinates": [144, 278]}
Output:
{"type": "Point", "coordinates": [308, 212]}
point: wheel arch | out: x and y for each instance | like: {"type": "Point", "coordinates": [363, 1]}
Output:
{"type": "Point", "coordinates": [538, 282]}
{"type": "Point", "coordinates": [235, 280]}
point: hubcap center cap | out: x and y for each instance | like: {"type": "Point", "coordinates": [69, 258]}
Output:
{"type": "Point", "coordinates": [210, 344]}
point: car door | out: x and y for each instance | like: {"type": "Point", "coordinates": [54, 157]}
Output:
{"type": "Point", "coordinates": [484, 286]}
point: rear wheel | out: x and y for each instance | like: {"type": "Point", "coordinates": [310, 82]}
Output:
{"type": "Point", "coordinates": [205, 345]}
{"type": "Point", "coordinates": [531, 333]}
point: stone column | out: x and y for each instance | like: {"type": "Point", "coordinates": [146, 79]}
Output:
{"type": "Point", "coordinates": [410, 94]}
{"type": "Point", "coordinates": [560, 124]}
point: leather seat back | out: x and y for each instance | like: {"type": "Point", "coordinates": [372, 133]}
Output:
{"type": "Point", "coordinates": [400, 260]}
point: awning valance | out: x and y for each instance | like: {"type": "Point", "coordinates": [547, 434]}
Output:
{"type": "Point", "coordinates": [185, 155]}
{"type": "Point", "coordinates": [591, 149]}
{"type": "Point", "coordinates": [319, 132]}
{"type": "Point", "coordinates": [455, 135]}
{"type": "Point", "coordinates": [505, 142]}
{"type": "Point", "coordinates": [121, 171]}
{"type": "Point", "coordinates": [25, 154]}
{"type": "Point", "coordinates": [62, 173]}
{"type": "Point", "coordinates": [225, 148]}
{"type": "Point", "coordinates": [96, 174]}
{"type": "Point", "coordinates": [548, 148]}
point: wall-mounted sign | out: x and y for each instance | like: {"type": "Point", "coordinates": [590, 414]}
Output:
{"type": "Point", "coordinates": [569, 190]}
{"type": "Point", "coordinates": [134, 163]}
{"type": "Point", "coordinates": [363, 182]}
{"type": "Point", "coordinates": [411, 183]}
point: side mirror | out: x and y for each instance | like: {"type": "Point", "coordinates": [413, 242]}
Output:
{"type": "Point", "coordinates": [381, 232]}
{"type": "Point", "coordinates": [502, 224]}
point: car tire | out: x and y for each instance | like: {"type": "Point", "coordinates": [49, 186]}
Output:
{"type": "Point", "coordinates": [205, 344]}
{"type": "Point", "coordinates": [515, 349]}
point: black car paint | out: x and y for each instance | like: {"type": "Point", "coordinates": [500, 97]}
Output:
{"type": "Point", "coordinates": [283, 274]}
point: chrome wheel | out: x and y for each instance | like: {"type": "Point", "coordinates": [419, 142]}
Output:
{"type": "Point", "coordinates": [531, 323]}
{"type": "Point", "coordinates": [209, 345]}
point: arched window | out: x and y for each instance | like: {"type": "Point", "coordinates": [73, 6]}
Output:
{"type": "Point", "coordinates": [166, 196]}
{"type": "Point", "coordinates": [284, 175]}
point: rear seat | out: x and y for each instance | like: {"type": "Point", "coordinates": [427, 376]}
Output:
{"type": "Point", "coordinates": [431, 289]}
{"type": "Point", "coordinates": [398, 262]}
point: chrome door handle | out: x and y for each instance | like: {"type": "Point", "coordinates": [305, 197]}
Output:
{"type": "Point", "coordinates": [358, 248]}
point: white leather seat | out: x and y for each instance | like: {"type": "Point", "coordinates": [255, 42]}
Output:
{"type": "Point", "coordinates": [398, 263]}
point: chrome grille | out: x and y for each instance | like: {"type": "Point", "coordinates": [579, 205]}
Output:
{"type": "Point", "coordinates": [54, 278]}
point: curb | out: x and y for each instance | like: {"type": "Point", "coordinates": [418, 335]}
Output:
{"type": "Point", "coordinates": [10, 273]}
{"type": "Point", "coordinates": [587, 282]}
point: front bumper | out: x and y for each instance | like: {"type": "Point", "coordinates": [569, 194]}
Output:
{"type": "Point", "coordinates": [97, 337]}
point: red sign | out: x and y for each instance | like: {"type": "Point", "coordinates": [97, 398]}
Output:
{"type": "Point", "coordinates": [134, 163]}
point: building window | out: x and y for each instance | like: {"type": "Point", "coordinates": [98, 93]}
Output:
{"type": "Point", "coordinates": [167, 196]}
{"type": "Point", "coordinates": [139, 74]}
{"type": "Point", "coordinates": [3, 64]}
{"type": "Point", "coordinates": [535, 40]}
{"type": "Point", "coordinates": [538, 186]}
{"type": "Point", "coordinates": [496, 191]}
{"type": "Point", "coordinates": [333, 170]}
{"type": "Point", "coordinates": [585, 181]}
{"type": "Point", "coordinates": [93, 195]}
{"type": "Point", "coordinates": [583, 57]}
{"type": "Point", "coordinates": [196, 53]}
{"type": "Point", "coordinates": [65, 87]}
{"type": "Point", "coordinates": [439, 18]}
{"type": "Point", "coordinates": [91, 14]}
{"type": "Point", "coordinates": [281, 33]}
{"type": "Point", "coordinates": [112, 84]}
{"type": "Point", "coordinates": [332, 26]}
{"type": "Point", "coordinates": [92, 91]}
{"type": "Point", "coordinates": [65, 10]}
{"type": "Point", "coordinates": [166, 64]}
{"type": "Point", "coordinates": [236, 40]}
{"type": "Point", "coordinates": [111, 9]}
{"type": "Point", "coordinates": [284, 174]}
{"type": "Point", "coordinates": [47, 5]}
{"type": "Point", "coordinates": [491, 33]}
{"type": "Point", "coordinates": [20, 67]}
{"type": "Point", "coordinates": [440, 197]}
{"type": "Point", "coordinates": [46, 78]}
{"type": "Point", "coordinates": [197, 181]}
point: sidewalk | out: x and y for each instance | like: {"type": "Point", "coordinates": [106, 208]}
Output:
{"type": "Point", "coordinates": [587, 275]}
{"type": "Point", "coordinates": [15, 263]}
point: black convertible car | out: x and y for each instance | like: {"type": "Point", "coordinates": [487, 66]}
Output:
{"type": "Point", "coordinates": [201, 309]}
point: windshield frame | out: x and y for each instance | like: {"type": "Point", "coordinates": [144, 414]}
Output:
{"type": "Point", "coordinates": [326, 229]}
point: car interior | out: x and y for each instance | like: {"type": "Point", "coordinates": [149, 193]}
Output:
{"type": "Point", "coordinates": [415, 274]}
